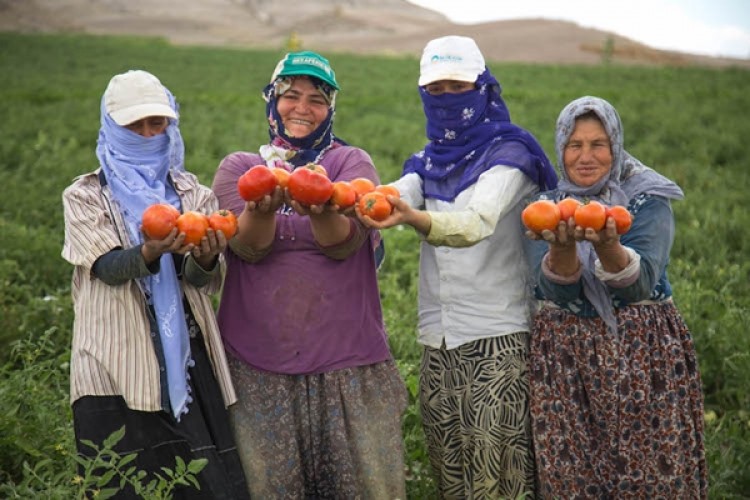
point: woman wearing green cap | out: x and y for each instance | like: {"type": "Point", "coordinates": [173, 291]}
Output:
{"type": "Point", "coordinates": [320, 398]}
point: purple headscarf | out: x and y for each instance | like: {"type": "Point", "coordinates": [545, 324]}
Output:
{"type": "Point", "coordinates": [627, 178]}
{"type": "Point", "coordinates": [470, 133]}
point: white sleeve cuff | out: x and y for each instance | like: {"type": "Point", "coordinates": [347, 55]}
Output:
{"type": "Point", "coordinates": [622, 278]}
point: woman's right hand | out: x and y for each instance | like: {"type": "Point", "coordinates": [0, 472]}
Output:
{"type": "Point", "coordinates": [174, 242]}
{"type": "Point", "coordinates": [269, 203]}
{"type": "Point", "coordinates": [562, 237]}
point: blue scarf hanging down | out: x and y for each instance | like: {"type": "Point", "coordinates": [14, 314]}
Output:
{"type": "Point", "coordinates": [137, 170]}
{"type": "Point", "coordinates": [470, 133]}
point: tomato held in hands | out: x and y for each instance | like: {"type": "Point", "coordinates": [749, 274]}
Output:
{"type": "Point", "coordinates": [375, 205]}
{"type": "Point", "coordinates": [159, 219]}
{"type": "Point", "coordinates": [591, 214]}
{"type": "Point", "coordinates": [256, 183]}
{"type": "Point", "coordinates": [318, 168]}
{"type": "Point", "coordinates": [388, 190]}
{"type": "Point", "coordinates": [623, 219]}
{"type": "Point", "coordinates": [224, 221]}
{"type": "Point", "coordinates": [540, 215]}
{"type": "Point", "coordinates": [282, 176]}
{"type": "Point", "coordinates": [343, 195]}
{"type": "Point", "coordinates": [194, 225]}
{"type": "Point", "coordinates": [362, 185]}
{"type": "Point", "coordinates": [308, 186]}
{"type": "Point", "coordinates": [567, 208]}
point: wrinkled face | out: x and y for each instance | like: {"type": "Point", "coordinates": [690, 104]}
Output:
{"type": "Point", "coordinates": [302, 108]}
{"type": "Point", "coordinates": [149, 126]}
{"type": "Point", "coordinates": [448, 87]}
{"type": "Point", "coordinates": [588, 155]}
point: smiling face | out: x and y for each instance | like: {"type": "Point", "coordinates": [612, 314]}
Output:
{"type": "Point", "coordinates": [588, 154]}
{"type": "Point", "coordinates": [302, 108]}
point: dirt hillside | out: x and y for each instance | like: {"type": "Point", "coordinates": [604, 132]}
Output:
{"type": "Point", "coordinates": [358, 26]}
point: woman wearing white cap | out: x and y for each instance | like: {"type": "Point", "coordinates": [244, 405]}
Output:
{"type": "Point", "coordinates": [146, 353]}
{"type": "Point", "coordinates": [463, 194]}
{"type": "Point", "coordinates": [320, 397]}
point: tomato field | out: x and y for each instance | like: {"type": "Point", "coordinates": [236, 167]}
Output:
{"type": "Point", "coordinates": [691, 124]}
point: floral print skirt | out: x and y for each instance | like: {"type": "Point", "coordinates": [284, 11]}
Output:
{"type": "Point", "coordinates": [333, 435]}
{"type": "Point", "coordinates": [617, 415]}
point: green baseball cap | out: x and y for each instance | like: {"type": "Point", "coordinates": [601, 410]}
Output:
{"type": "Point", "coordinates": [306, 63]}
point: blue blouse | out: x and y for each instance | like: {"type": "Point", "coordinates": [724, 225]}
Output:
{"type": "Point", "coordinates": [651, 236]}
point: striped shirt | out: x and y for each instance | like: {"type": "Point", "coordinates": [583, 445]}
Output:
{"type": "Point", "coordinates": [112, 352]}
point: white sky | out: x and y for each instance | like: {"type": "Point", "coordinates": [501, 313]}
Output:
{"type": "Point", "coordinates": [706, 27]}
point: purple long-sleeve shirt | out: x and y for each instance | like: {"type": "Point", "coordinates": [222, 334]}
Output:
{"type": "Point", "coordinates": [297, 311]}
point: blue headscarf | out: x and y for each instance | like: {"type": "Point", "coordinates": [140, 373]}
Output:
{"type": "Point", "coordinates": [137, 171]}
{"type": "Point", "coordinates": [470, 133]}
{"type": "Point", "coordinates": [299, 151]}
{"type": "Point", "coordinates": [627, 178]}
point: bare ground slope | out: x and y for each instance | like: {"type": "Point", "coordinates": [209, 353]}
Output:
{"type": "Point", "coordinates": [357, 26]}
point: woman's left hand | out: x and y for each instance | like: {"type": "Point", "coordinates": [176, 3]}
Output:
{"type": "Point", "coordinates": [211, 245]}
{"type": "Point", "coordinates": [606, 237]}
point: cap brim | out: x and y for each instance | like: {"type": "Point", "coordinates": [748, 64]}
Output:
{"type": "Point", "coordinates": [320, 76]}
{"type": "Point", "coordinates": [132, 114]}
{"type": "Point", "coordinates": [439, 75]}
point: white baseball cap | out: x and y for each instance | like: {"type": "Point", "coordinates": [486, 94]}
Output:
{"type": "Point", "coordinates": [451, 58]}
{"type": "Point", "coordinates": [134, 95]}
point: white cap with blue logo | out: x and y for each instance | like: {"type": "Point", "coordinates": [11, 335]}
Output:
{"type": "Point", "coordinates": [451, 58]}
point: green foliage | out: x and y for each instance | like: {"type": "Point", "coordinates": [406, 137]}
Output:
{"type": "Point", "coordinates": [688, 123]}
{"type": "Point", "coordinates": [108, 466]}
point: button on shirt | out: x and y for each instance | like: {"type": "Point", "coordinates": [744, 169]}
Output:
{"type": "Point", "coordinates": [473, 275]}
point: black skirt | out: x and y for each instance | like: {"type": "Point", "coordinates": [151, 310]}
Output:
{"type": "Point", "coordinates": [157, 438]}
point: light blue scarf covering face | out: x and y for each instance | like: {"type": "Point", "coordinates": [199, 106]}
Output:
{"type": "Point", "coordinates": [137, 171]}
{"type": "Point", "coordinates": [627, 178]}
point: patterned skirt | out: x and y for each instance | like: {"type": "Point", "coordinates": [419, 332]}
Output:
{"type": "Point", "coordinates": [475, 413]}
{"type": "Point", "coordinates": [617, 415]}
{"type": "Point", "coordinates": [334, 435]}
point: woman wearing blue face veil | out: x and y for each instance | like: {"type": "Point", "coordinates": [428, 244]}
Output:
{"type": "Point", "coordinates": [463, 193]}
{"type": "Point", "coordinates": [146, 350]}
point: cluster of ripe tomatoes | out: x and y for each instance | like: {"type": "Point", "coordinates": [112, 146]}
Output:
{"type": "Point", "coordinates": [310, 185]}
{"type": "Point", "coordinates": [546, 214]}
{"type": "Point", "coordinates": [159, 220]}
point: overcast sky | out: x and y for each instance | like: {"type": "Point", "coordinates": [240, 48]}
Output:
{"type": "Point", "coordinates": [706, 27]}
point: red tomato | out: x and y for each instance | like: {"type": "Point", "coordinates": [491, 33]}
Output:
{"type": "Point", "coordinates": [343, 195]}
{"type": "Point", "coordinates": [375, 205]}
{"type": "Point", "coordinates": [256, 183]}
{"type": "Point", "coordinates": [362, 185]}
{"type": "Point", "coordinates": [541, 215]}
{"type": "Point", "coordinates": [224, 221]}
{"type": "Point", "coordinates": [567, 208]}
{"type": "Point", "coordinates": [194, 225]}
{"type": "Point", "coordinates": [318, 168]}
{"type": "Point", "coordinates": [623, 219]}
{"type": "Point", "coordinates": [159, 219]}
{"type": "Point", "coordinates": [387, 189]}
{"type": "Point", "coordinates": [308, 186]}
{"type": "Point", "coordinates": [591, 214]}
{"type": "Point", "coordinates": [282, 175]}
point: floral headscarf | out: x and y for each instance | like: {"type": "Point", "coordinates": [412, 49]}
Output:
{"type": "Point", "coordinates": [291, 152]}
{"type": "Point", "coordinates": [470, 133]}
{"type": "Point", "coordinates": [627, 178]}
